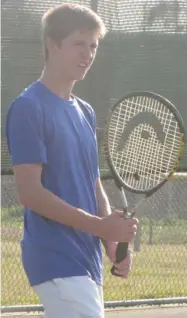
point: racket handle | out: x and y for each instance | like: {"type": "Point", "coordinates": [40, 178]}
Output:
{"type": "Point", "coordinates": [121, 254]}
{"type": "Point", "coordinates": [122, 247]}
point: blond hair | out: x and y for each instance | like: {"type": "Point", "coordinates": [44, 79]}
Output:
{"type": "Point", "coordinates": [60, 21]}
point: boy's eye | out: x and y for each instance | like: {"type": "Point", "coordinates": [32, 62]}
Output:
{"type": "Point", "coordinates": [79, 43]}
{"type": "Point", "coordinates": [94, 46]}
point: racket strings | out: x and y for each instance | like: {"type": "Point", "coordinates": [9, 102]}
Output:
{"type": "Point", "coordinates": [144, 160]}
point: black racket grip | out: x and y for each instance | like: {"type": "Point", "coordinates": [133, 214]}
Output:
{"type": "Point", "coordinates": [121, 254]}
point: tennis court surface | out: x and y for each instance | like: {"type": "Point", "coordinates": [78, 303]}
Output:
{"type": "Point", "coordinates": [166, 312]}
{"type": "Point", "coordinates": [148, 312]}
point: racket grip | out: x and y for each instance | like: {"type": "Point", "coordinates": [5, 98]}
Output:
{"type": "Point", "coordinates": [121, 254]}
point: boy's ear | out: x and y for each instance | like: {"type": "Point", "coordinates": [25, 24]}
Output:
{"type": "Point", "coordinates": [51, 45]}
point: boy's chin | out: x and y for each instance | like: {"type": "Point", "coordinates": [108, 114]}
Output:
{"type": "Point", "coordinates": [80, 77]}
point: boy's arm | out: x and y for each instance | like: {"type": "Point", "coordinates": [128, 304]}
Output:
{"type": "Point", "coordinates": [33, 195]}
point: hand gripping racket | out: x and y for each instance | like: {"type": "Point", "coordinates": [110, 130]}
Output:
{"type": "Point", "coordinates": [143, 143]}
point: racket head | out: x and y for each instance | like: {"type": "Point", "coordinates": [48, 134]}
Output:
{"type": "Point", "coordinates": [143, 141]}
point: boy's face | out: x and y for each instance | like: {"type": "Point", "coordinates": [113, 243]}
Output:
{"type": "Point", "coordinates": [75, 55]}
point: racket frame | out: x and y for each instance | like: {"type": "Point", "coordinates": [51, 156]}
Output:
{"type": "Point", "coordinates": [118, 180]}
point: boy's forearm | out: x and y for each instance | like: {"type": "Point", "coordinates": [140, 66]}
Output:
{"type": "Point", "coordinates": [50, 206]}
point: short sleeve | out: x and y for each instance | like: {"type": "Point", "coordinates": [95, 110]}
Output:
{"type": "Point", "coordinates": [24, 132]}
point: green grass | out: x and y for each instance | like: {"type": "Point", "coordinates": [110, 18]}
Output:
{"type": "Point", "coordinates": [12, 215]}
{"type": "Point", "coordinates": [159, 270]}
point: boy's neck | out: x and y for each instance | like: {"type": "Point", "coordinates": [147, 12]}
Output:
{"type": "Point", "coordinates": [58, 85]}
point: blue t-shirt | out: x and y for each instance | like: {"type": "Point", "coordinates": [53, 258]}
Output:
{"type": "Point", "coordinates": [43, 128]}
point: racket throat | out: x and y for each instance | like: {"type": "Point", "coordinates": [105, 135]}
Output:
{"type": "Point", "coordinates": [124, 201]}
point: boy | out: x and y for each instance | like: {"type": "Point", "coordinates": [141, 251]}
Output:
{"type": "Point", "coordinates": [51, 136]}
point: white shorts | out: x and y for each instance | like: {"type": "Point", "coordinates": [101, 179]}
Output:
{"type": "Point", "coordinates": [72, 297]}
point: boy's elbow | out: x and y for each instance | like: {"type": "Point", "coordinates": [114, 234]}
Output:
{"type": "Point", "coordinates": [28, 199]}
{"type": "Point", "coordinates": [25, 201]}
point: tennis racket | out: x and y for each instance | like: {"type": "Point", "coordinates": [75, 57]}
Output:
{"type": "Point", "coordinates": [143, 144]}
